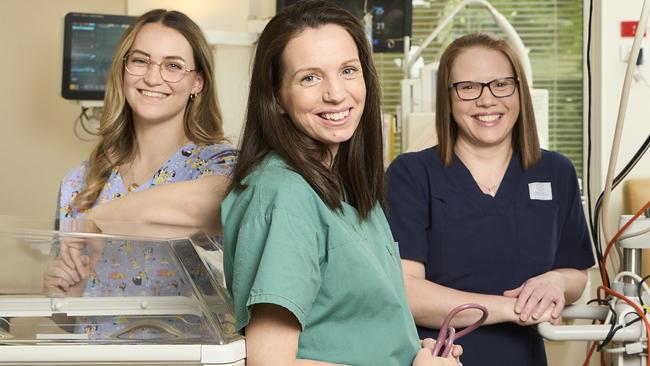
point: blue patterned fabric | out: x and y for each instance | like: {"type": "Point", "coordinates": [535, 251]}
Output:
{"type": "Point", "coordinates": [130, 268]}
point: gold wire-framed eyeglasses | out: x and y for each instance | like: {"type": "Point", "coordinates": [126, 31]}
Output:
{"type": "Point", "coordinates": [172, 70]}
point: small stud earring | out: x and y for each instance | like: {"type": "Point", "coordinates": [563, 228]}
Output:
{"type": "Point", "coordinates": [192, 96]}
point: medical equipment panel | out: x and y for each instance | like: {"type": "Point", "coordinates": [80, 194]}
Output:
{"type": "Point", "coordinates": [88, 47]}
{"type": "Point", "coordinates": [386, 21]}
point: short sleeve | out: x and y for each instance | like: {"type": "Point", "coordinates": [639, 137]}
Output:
{"type": "Point", "coordinates": [219, 160]}
{"type": "Point", "coordinates": [407, 207]}
{"type": "Point", "coordinates": [575, 248]}
{"type": "Point", "coordinates": [276, 261]}
{"type": "Point", "coordinates": [71, 185]}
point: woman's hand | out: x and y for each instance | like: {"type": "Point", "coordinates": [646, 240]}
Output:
{"type": "Point", "coordinates": [540, 298]}
{"type": "Point", "coordinates": [425, 357]}
{"type": "Point", "coordinates": [66, 274]}
{"type": "Point", "coordinates": [81, 254]}
{"type": "Point", "coordinates": [61, 280]}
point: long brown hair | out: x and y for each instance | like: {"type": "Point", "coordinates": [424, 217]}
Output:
{"type": "Point", "coordinates": [358, 165]}
{"type": "Point", "coordinates": [202, 121]}
{"type": "Point", "coordinates": [525, 140]}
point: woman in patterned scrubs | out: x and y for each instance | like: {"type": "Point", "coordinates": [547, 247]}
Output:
{"type": "Point", "coordinates": [161, 158]}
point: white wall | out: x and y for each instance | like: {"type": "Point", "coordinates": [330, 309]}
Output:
{"type": "Point", "coordinates": [609, 71]}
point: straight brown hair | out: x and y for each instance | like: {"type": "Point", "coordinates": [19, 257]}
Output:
{"type": "Point", "coordinates": [357, 168]}
{"type": "Point", "coordinates": [525, 140]}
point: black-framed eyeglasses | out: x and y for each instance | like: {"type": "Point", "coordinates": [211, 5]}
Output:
{"type": "Point", "coordinates": [172, 70]}
{"type": "Point", "coordinates": [471, 90]}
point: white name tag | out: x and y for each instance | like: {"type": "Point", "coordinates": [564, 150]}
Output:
{"type": "Point", "coordinates": [540, 191]}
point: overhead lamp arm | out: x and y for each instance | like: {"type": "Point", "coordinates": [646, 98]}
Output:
{"type": "Point", "coordinates": [501, 20]}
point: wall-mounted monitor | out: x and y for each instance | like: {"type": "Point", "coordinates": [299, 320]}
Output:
{"type": "Point", "coordinates": [391, 20]}
{"type": "Point", "coordinates": [89, 41]}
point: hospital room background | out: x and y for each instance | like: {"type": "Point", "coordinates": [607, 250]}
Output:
{"type": "Point", "coordinates": [43, 135]}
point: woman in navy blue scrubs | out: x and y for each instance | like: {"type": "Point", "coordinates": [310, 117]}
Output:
{"type": "Point", "coordinates": [486, 216]}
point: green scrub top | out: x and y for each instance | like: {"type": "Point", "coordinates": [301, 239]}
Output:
{"type": "Point", "coordinates": [339, 276]}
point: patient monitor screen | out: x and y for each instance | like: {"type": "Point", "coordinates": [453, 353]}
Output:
{"type": "Point", "coordinates": [89, 43]}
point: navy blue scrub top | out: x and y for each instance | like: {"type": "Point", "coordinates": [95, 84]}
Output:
{"type": "Point", "coordinates": [477, 243]}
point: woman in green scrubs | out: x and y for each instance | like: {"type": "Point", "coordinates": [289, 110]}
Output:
{"type": "Point", "coordinates": [309, 258]}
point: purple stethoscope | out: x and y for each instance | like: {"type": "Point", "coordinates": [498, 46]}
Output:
{"type": "Point", "coordinates": [448, 334]}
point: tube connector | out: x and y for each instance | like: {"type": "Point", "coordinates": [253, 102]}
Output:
{"type": "Point", "coordinates": [630, 290]}
{"type": "Point", "coordinates": [633, 348]}
{"type": "Point", "coordinates": [618, 286]}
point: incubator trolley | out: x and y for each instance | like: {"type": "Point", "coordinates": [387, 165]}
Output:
{"type": "Point", "coordinates": [155, 295]}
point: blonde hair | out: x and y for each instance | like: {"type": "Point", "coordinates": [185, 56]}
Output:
{"type": "Point", "coordinates": [202, 121]}
{"type": "Point", "coordinates": [525, 140]}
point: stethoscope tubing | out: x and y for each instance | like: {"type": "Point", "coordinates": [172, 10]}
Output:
{"type": "Point", "coordinates": [448, 334]}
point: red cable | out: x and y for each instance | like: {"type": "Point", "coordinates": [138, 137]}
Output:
{"type": "Point", "coordinates": [603, 272]}
{"type": "Point", "coordinates": [591, 352]}
{"type": "Point", "coordinates": [635, 307]}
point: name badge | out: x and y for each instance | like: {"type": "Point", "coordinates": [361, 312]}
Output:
{"type": "Point", "coordinates": [540, 191]}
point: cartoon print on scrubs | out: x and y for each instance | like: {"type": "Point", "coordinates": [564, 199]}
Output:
{"type": "Point", "coordinates": [189, 162]}
{"type": "Point", "coordinates": [137, 269]}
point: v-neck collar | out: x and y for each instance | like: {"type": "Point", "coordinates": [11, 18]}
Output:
{"type": "Point", "coordinates": [350, 215]}
{"type": "Point", "coordinates": [149, 182]}
{"type": "Point", "coordinates": [468, 184]}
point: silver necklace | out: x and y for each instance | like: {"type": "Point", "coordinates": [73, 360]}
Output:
{"type": "Point", "coordinates": [492, 191]}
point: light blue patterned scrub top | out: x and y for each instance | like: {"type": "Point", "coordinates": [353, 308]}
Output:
{"type": "Point", "coordinates": [140, 269]}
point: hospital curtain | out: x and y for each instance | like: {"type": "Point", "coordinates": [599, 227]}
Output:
{"type": "Point", "coordinates": [550, 29]}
